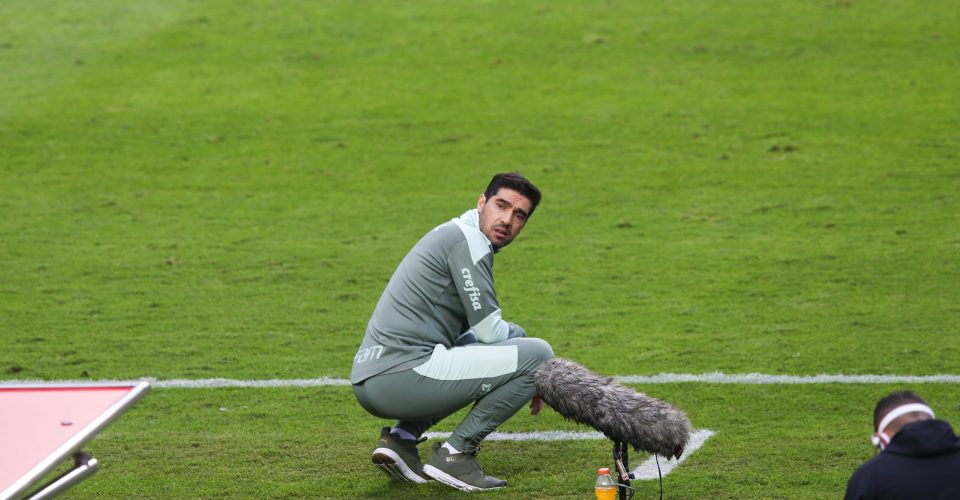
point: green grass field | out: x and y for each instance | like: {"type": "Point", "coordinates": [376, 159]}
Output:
{"type": "Point", "coordinates": [191, 190]}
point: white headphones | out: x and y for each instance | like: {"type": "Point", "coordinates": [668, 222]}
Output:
{"type": "Point", "coordinates": [880, 439]}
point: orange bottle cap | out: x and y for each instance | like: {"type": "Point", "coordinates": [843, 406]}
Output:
{"type": "Point", "coordinates": [603, 470]}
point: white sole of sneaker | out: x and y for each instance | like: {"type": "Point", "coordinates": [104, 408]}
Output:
{"type": "Point", "coordinates": [391, 464]}
{"type": "Point", "coordinates": [451, 481]}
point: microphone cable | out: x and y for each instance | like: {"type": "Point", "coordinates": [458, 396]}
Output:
{"type": "Point", "coordinates": [656, 458]}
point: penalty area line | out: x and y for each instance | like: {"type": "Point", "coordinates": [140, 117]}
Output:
{"type": "Point", "coordinates": [645, 471]}
{"type": "Point", "coordinates": [529, 436]}
{"type": "Point", "coordinates": [648, 469]}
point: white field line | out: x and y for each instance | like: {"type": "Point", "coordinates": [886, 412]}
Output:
{"type": "Point", "coordinates": [762, 378]}
{"type": "Point", "coordinates": [529, 436]}
{"type": "Point", "coordinates": [645, 471]}
{"type": "Point", "coordinates": [648, 469]}
{"type": "Point", "coordinates": [216, 383]}
{"type": "Point", "coordinates": [662, 378]}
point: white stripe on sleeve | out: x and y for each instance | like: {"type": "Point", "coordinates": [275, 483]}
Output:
{"type": "Point", "coordinates": [492, 328]}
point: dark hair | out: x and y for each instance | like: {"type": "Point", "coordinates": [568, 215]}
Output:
{"type": "Point", "coordinates": [517, 182]}
{"type": "Point", "coordinates": [892, 401]}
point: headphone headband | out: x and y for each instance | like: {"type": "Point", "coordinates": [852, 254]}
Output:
{"type": "Point", "coordinates": [903, 410]}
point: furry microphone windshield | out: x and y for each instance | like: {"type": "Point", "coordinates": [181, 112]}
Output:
{"type": "Point", "coordinates": [618, 412]}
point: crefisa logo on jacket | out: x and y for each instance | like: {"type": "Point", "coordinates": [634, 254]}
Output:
{"type": "Point", "coordinates": [470, 289]}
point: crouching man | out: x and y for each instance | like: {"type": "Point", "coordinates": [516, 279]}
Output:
{"type": "Point", "coordinates": [437, 342]}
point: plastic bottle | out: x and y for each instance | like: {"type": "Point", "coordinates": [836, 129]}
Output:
{"type": "Point", "coordinates": [606, 488]}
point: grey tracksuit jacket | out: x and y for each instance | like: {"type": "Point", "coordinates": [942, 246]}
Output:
{"type": "Point", "coordinates": [442, 291]}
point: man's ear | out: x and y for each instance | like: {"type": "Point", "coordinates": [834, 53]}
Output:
{"type": "Point", "coordinates": [481, 202]}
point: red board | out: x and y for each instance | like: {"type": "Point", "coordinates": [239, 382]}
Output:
{"type": "Point", "coordinates": [43, 424]}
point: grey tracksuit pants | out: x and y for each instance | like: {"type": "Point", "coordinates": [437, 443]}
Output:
{"type": "Point", "coordinates": [497, 377]}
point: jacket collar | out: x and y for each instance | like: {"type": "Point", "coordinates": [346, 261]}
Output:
{"type": "Point", "coordinates": [923, 439]}
{"type": "Point", "coordinates": [472, 218]}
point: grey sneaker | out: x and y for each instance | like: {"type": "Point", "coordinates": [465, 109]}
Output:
{"type": "Point", "coordinates": [460, 470]}
{"type": "Point", "coordinates": [398, 458]}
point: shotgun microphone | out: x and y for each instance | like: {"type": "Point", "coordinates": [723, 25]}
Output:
{"type": "Point", "coordinates": [620, 413]}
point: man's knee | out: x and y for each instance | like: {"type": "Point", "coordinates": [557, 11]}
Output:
{"type": "Point", "coordinates": [534, 352]}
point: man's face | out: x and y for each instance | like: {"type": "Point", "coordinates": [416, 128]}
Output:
{"type": "Point", "coordinates": [503, 216]}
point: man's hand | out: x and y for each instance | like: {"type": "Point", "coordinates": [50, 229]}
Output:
{"type": "Point", "coordinates": [536, 404]}
{"type": "Point", "coordinates": [515, 330]}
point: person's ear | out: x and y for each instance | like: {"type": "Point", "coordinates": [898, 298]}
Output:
{"type": "Point", "coordinates": [481, 202]}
